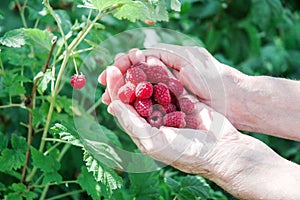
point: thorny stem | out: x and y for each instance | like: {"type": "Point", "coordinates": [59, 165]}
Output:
{"type": "Point", "coordinates": [32, 99]}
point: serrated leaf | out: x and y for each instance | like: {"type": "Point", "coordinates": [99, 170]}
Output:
{"type": "Point", "coordinates": [105, 4]}
{"type": "Point", "coordinates": [19, 143]}
{"type": "Point", "coordinates": [14, 158]}
{"type": "Point", "coordinates": [13, 38]}
{"type": "Point", "coordinates": [189, 187]}
{"type": "Point", "coordinates": [145, 186]}
{"type": "Point", "coordinates": [135, 10]}
{"type": "Point", "coordinates": [175, 5]}
{"type": "Point", "coordinates": [40, 39]}
{"type": "Point", "coordinates": [52, 177]}
{"type": "Point", "coordinates": [47, 163]}
{"type": "Point", "coordinates": [88, 183]}
{"type": "Point", "coordinates": [105, 175]}
{"type": "Point", "coordinates": [20, 190]}
{"type": "Point", "coordinates": [172, 183]}
{"type": "Point", "coordinates": [12, 84]}
{"type": "Point", "coordinates": [99, 141]}
{"type": "Point", "coordinates": [66, 132]}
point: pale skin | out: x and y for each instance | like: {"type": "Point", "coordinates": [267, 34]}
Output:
{"type": "Point", "coordinates": [229, 101]}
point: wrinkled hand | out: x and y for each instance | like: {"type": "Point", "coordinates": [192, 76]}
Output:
{"type": "Point", "coordinates": [189, 150]}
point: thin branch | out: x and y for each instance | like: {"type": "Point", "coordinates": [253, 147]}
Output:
{"type": "Point", "coordinates": [30, 127]}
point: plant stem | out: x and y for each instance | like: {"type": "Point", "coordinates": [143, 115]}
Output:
{"type": "Point", "coordinates": [13, 105]}
{"type": "Point", "coordinates": [63, 152]}
{"type": "Point", "coordinates": [60, 183]}
{"type": "Point", "coordinates": [66, 194]}
{"type": "Point", "coordinates": [44, 193]}
{"type": "Point", "coordinates": [31, 106]}
{"type": "Point", "coordinates": [22, 9]}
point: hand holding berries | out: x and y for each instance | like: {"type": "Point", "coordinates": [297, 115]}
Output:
{"type": "Point", "coordinates": [157, 96]}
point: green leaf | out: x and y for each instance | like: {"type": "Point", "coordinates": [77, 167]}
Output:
{"type": "Point", "coordinates": [40, 39]}
{"type": "Point", "coordinates": [105, 175]}
{"type": "Point", "coordinates": [44, 80]}
{"type": "Point", "coordinates": [99, 141]}
{"type": "Point", "coordinates": [52, 177]}
{"type": "Point", "coordinates": [47, 163]}
{"type": "Point", "coordinates": [105, 4]}
{"type": "Point", "coordinates": [34, 37]}
{"type": "Point", "coordinates": [88, 183]}
{"type": "Point", "coordinates": [12, 84]}
{"type": "Point", "coordinates": [189, 187]}
{"type": "Point", "coordinates": [145, 185]}
{"type": "Point", "coordinates": [14, 38]}
{"type": "Point", "coordinates": [172, 183]}
{"type": "Point", "coordinates": [12, 159]}
{"type": "Point", "coordinates": [20, 190]}
{"type": "Point", "coordinates": [132, 11]}
{"type": "Point", "coordinates": [175, 5]}
{"type": "Point", "coordinates": [66, 132]}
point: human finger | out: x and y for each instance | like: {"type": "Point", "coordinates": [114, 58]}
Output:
{"type": "Point", "coordinates": [122, 62]}
{"type": "Point", "coordinates": [165, 144]}
{"type": "Point", "coordinates": [136, 56]}
{"type": "Point", "coordinates": [115, 80]}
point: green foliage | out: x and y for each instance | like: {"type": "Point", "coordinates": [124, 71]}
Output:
{"type": "Point", "coordinates": [72, 155]}
{"type": "Point", "coordinates": [191, 187]}
{"type": "Point", "coordinates": [87, 181]}
{"type": "Point", "coordinates": [13, 158]}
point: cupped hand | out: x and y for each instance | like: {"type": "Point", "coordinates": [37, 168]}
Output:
{"type": "Point", "coordinates": [189, 150]}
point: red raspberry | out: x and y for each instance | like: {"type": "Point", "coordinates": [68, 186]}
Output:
{"type": "Point", "coordinates": [143, 107]}
{"type": "Point", "coordinates": [144, 90]}
{"type": "Point", "coordinates": [157, 74]}
{"type": "Point", "coordinates": [155, 119]}
{"type": "Point", "coordinates": [161, 94]}
{"type": "Point", "coordinates": [166, 109]}
{"type": "Point", "coordinates": [186, 105]}
{"type": "Point", "coordinates": [142, 65]}
{"type": "Point", "coordinates": [175, 86]}
{"type": "Point", "coordinates": [191, 122]}
{"type": "Point", "coordinates": [149, 22]}
{"type": "Point", "coordinates": [126, 93]}
{"type": "Point", "coordinates": [78, 81]}
{"type": "Point", "coordinates": [135, 75]}
{"type": "Point", "coordinates": [175, 119]}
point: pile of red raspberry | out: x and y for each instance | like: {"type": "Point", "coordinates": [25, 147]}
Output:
{"type": "Point", "coordinates": [157, 97]}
